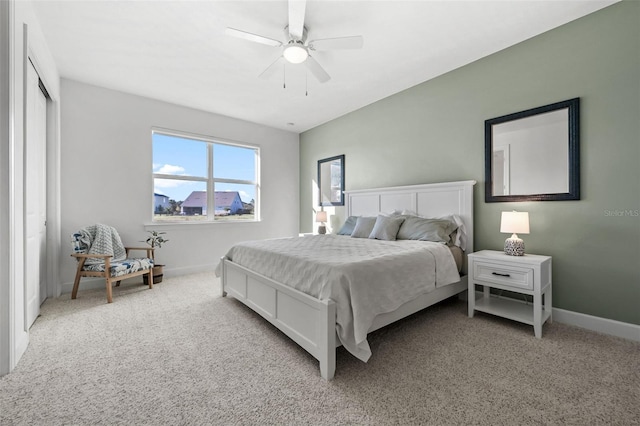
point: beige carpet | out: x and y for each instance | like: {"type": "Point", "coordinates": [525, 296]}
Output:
{"type": "Point", "coordinates": [179, 354]}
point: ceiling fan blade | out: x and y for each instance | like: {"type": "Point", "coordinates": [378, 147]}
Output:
{"type": "Point", "coordinates": [352, 42]}
{"type": "Point", "coordinates": [317, 70]}
{"type": "Point", "coordinates": [296, 18]}
{"type": "Point", "coordinates": [271, 69]}
{"type": "Point", "coordinates": [253, 37]}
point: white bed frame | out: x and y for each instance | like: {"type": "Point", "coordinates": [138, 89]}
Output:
{"type": "Point", "coordinates": [311, 322]}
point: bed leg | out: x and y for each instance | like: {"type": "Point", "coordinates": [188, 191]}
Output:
{"type": "Point", "coordinates": [223, 276]}
{"type": "Point", "coordinates": [328, 368]}
{"type": "Point", "coordinates": [328, 351]}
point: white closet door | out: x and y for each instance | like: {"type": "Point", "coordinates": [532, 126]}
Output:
{"type": "Point", "coordinates": [35, 197]}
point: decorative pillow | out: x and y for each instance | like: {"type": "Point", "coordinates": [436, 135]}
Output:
{"type": "Point", "coordinates": [423, 229]}
{"type": "Point", "coordinates": [454, 240]}
{"type": "Point", "coordinates": [364, 226]}
{"type": "Point", "coordinates": [459, 235]}
{"type": "Point", "coordinates": [386, 227]}
{"type": "Point", "coordinates": [349, 225]}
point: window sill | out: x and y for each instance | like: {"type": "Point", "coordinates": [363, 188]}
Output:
{"type": "Point", "coordinates": [184, 225]}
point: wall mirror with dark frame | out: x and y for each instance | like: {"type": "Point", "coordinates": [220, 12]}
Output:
{"type": "Point", "coordinates": [534, 155]}
{"type": "Point", "coordinates": [331, 181]}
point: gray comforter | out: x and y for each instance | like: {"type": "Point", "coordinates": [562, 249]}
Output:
{"type": "Point", "coordinates": [363, 277]}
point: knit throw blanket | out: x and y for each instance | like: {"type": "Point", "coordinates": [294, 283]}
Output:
{"type": "Point", "coordinates": [102, 239]}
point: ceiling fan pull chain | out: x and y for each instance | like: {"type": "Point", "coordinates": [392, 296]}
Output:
{"type": "Point", "coordinates": [284, 76]}
{"type": "Point", "coordinates": [306, 84]}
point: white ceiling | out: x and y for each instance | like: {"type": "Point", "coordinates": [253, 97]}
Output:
{"type": "Point", "coordinates": [177, 51]}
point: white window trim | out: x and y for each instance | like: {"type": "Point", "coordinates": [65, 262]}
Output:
{"type": "Point", "coordinates": [210, 180]}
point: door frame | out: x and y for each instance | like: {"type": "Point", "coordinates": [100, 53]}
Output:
{"type": "Point", "coordinates": [7, 121]}
{"type": "Point", "coordinates": [52, 160]}
{"type": "Point", "coordinates": [14, 53]}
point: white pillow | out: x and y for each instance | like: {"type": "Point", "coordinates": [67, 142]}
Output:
{"type": "Point", "coordinates": [364, 226]}
{"type": "Point", "coordinates": [423, 229]}
{"type": "Point", "coordinates": [461, 236]}
{"type": "Point", "coordinates": [348, 226]}
{"type": "Point", "coordinates": [386, 228]}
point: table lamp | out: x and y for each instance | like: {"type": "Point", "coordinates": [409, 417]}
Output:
{"type": "Point", "coordinates": [321, 217]}
{"type": "Point", "coordinates": [514, 223]}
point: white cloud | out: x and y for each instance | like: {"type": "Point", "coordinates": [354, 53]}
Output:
{"type": "Point", "coordinates": [168, 169]}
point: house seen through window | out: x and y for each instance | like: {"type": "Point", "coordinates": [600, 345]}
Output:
{"type": "Point", "coordinates": [198, 178]}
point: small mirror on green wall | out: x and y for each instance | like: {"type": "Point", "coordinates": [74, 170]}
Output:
{"type": "Point", "coordinates": [331, 181]}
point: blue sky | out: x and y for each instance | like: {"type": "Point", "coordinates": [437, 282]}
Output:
{"type": "Point", "coordinates": [186, 157]}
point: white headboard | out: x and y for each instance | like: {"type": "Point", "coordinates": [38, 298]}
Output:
{"type": "Point", "coordinates": [429, 200]}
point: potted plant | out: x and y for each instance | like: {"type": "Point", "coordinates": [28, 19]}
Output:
{"type": "Point", "coordinates": [155, 240]}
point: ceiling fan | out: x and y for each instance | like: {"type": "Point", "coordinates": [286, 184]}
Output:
{"type": "Point", "coordinates": [297, 49]}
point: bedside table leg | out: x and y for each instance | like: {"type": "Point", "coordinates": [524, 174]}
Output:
{"type": "Point", "coordinates": [548, 306]}
{"type": "Point", "coordinates": [471, 298]}
{"type": "Point", "coordinates": [537, 315]}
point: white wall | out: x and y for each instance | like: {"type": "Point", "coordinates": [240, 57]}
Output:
{"type": "Point", "coordinates": [106, 163]}
{"type": "Point", "coordinates": [538, 158]}
{"type": "Point", "coordinates": [22, 39]}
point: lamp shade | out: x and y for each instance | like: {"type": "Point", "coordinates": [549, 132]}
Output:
{"type": "Point", "coordinates": [295, 53]}
{"type": "Point", "coordinates": [514, 222]}
{"type": "Point", "coordinates": [321, 216]}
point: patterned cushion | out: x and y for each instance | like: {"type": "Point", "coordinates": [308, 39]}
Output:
{"type": "Point", "coordinates": [122, 267]}
{"type": "Point", "coordinates": [78, 246]}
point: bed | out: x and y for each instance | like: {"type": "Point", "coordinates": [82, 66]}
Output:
{"type": "Point", "coordinates": [312, 318]}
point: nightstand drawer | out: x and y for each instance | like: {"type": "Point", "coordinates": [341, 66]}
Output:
{"type": "Point", "coordinates": [506, 275]}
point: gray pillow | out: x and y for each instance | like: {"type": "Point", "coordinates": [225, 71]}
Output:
{"type": "Point", "coordinates": [386, 228]}
{"type": "Point", "coordinates": [364, 226]}
{"type": "Point", "coordinates": [349, 225]}
{"type": "Point", "coordinates": [423, 229]}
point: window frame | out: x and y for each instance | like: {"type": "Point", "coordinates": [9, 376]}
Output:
{"type": "Point", "coordinates": [210, 180]}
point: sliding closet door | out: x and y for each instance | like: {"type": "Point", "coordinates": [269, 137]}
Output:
{"type": "Point", "coordinates": [35, 196]}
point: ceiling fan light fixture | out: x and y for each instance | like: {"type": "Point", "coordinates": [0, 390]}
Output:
{"type": "Point", "coordinates": [295, 53]}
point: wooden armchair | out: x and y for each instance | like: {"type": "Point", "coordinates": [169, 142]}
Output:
{"type": "Point", "coordinates": [108, 269]}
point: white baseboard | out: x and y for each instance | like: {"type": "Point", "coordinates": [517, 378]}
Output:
{"type": "Point", "coordinates": [96, 283]}
{"type": "Point", "coordinates": [611, 327]}
{"type": "Point", "coordinates": [186, 270]}
{"type": "Point", "coordinates": [598, 324]}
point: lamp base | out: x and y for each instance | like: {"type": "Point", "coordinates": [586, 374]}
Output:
{"type": "Point", "coordinates": [322, 229]}
{"type": "Point", "coordinates": [514, 247]}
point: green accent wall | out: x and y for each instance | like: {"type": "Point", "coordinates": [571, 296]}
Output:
{"type": "Point", "coordinates": [434, 132]}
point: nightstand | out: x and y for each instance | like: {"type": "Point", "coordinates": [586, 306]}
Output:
{"type": "Point", "coordinates": [529, 274]}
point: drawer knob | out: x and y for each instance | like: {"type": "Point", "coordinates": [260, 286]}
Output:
{"type": "Point", "coordinates": [500, 275]}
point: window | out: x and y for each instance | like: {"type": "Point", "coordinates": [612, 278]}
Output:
{"type": "Point", "coordinates": [198, 178]}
